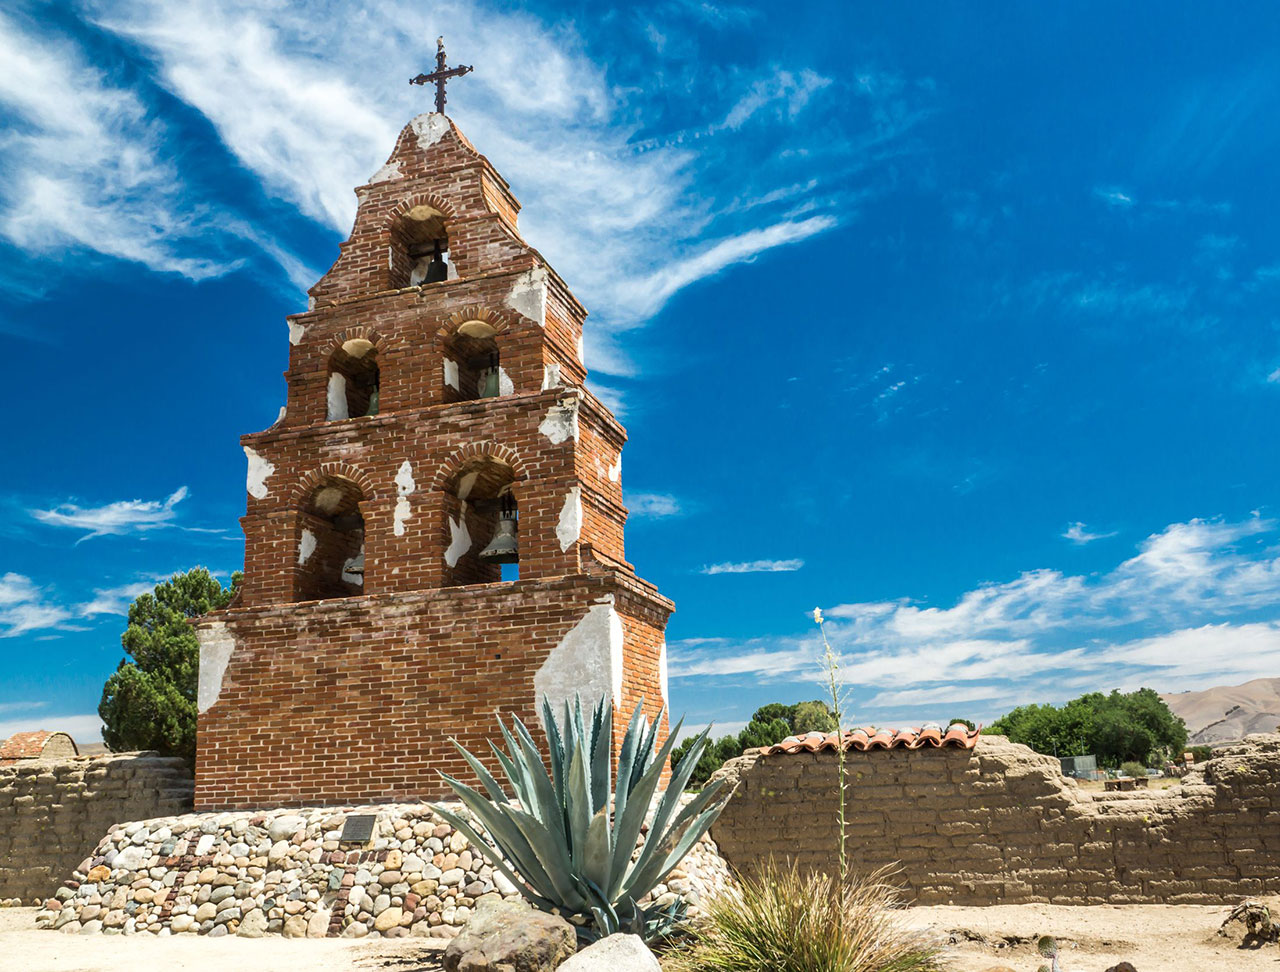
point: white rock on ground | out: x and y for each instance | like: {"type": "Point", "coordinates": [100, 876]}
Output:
{"type": "Point", "coordinates": [617, 953]}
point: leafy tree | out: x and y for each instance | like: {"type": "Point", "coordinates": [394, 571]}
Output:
{"type": "Point", "coordinates": [815, 716]}
{"type": "Point", "coordinates": [770, 724]}
{"type": "Point", "coordinates": [964, 722]}
{"type": "Point", "coordinates": [150, 702]}
{"type": "Point", "coordinates": [1122, 726]}
{"type": "Point", "coordinates": [758, 734]}
{"type": "Point", "coordinates": [1200, 753]}
{"type": "Point", "coordinates": [775, 710]}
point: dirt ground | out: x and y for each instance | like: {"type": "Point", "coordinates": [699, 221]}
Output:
{"type": "Point", "coordinates": [1154, 938]}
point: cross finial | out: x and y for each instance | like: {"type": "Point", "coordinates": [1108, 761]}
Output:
{"type": "Point", "coordinates": [440, 75]}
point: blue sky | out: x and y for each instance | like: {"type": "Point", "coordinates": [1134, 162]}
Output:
{"type": "Point", "coordinates": [958, 321]}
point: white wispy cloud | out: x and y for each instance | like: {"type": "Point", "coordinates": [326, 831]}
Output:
{"type": "Point", "coordinates": [116, 600]}
{"type": "Point", "coordinates": [1114, 196]}
{"type": "Point", "coordinates": [753, 567]}
{"type": "Point", "coordinates": [25, 607]}
{"type": "Point", "coordinates": [1174, 615]}
{"type": "Point", "coordinates": [1078, 533]}
{"type": "Point", "coordinates": [83, 164]}
{"type": "Point", "coordinates": [21, 706]}
{"type": "Point", "coordinates": [789, 90]}
{"type": "Point", "coordinates": [652, 504]}
{"type": "Point", "coordinates": [114, 519]}
{"type": "Point", "coordinates": [83, 728]}
{"type": "Point", "coordinates": [1274, 377]}
{"type": "Point", "coordinates": [299, 97]}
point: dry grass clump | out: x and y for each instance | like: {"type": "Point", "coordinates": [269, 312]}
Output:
{"type": "Point", "coordinates": [788, 920]}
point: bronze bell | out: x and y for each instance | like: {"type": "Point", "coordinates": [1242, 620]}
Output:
{"type": "Point", "coordinates": [502, 549]}
{"type": "Point", "coordinates": [488, 383]}
{"type": "Point", "coordinates": [437, 269]}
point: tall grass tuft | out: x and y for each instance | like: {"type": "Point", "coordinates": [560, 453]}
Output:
{"type": "Point", "coordinates": [784, 919]}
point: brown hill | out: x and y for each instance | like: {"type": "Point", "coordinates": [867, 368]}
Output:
{"type": "Point", "coordinates": [1228, 712]}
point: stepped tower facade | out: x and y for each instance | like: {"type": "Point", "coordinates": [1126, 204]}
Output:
{"type": "Point", "coordinates": [434, 525]}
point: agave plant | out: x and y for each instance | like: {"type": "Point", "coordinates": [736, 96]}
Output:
{"type": "Point", "coordinates": [567, 838]}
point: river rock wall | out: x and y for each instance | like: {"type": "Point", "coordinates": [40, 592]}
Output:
{"type": "Point", "coordinates": [288, 872]}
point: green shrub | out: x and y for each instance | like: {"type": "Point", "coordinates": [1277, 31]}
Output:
{"type": "Point", "coordinates": [788, 920]}
{"type": "Point", "coordinates": [567, 839]}
{"type": "Point", "coordinates": [1201, 753]}
{"type": "Point", "coordinates": [1133, 768]}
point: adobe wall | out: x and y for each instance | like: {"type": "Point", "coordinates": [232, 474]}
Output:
{"type": "Point", "coordinates": [53, 812]}
{"type": "Point", "coordinates": [1001, 825]}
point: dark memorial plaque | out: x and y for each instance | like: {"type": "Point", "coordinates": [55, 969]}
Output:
{"type": "Point", "coordinates": [358, 828]}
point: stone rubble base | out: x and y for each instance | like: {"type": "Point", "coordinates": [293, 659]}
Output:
{"type": "Point", "coordinates": [255, 873]}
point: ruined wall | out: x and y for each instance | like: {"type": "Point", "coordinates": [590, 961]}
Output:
{"type": "Point", "coordinates": [52, 813]}
{"type": "Point", "coordinates": [1001, 825]}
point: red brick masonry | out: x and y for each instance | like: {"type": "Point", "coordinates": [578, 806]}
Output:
{"type": "Point", "coordinates": [368, 629]}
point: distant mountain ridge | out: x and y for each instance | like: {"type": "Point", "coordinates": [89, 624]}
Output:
{"type": "Point", "coordinates": [1228, 712]}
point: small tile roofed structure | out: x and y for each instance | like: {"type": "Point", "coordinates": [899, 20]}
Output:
{"type": "Point", "coordinates": [40, 744]}
{"type": "Point", "coordinates": [931, 735]}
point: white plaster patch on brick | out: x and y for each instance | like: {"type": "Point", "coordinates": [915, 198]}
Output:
{"type": "Point", "coordinates": [451, 374]}
{"type": "Point", "coordinates": [388, 173]}
{"type": "Point", "coordinates": [450, 271]}
{"type": "Point", "coordinates": [296, 331]}
{"type": "Point", "coordinates": [337, 400]}
{"type": "Point", "coordinates": [259, 471]}
{"type": "Point", "coordinates": [505, 385]}
{"type": "Point", "coordinates": [586, 662]}
{"type": "Point", "coordinates": [615, 471]}
{"type": "Point", "coordinates": [280, 415]}
{"type": "Point", "coordinates": [461, 541]}
{"type": "Point", "coordinates": [311, 303]}
{"type": "Point", "coordinates": [306, 546]}
{"type": "Point", "coordinates": [404, 487]}
{"type": "Point", "coordinates": [429, 128]}
{"type": "Point", "coordinates": [582, 349]}
{"type": "Point", "coordinates": [466, 482]}
{"type": "Point", "coordinates": [528, 295]}
{"type": "Point", "coordinates": [551, 376]}
{"type": "Point", "coordinates": [662, 675]}
{"type": "Point", "coordinates": [217, 645]}
{"type": "Point", "coordinates": [570, 526]}
{"type": "Point", "coordinates": [561, 422]}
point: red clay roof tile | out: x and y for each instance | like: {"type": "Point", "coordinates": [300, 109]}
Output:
{"type": "Point", "coordinates": [930, 736]}
{"type": "Point", "coordinates": [24, 745]}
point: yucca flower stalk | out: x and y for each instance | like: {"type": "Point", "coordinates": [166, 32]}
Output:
{"type": "Point", "coordinates": [567, 838]}
{"type": "Point", "coordinates": [832, 667]}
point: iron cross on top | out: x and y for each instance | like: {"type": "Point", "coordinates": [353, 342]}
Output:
{"type": "Point", "coordinates": [440, 75]}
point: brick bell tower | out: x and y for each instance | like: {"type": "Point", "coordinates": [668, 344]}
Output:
{"type": "Point", "coordinates": [436, 419]}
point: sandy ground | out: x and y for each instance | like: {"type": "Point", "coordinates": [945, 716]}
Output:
{"type": "Point", "coordinates": [1155, 938]}
{"type": "Point", "coordinates": [25, 948]}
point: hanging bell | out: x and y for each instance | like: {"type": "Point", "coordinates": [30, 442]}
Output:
{"type": "Point", "coordinates": [487, 384]}
{"type": "Point", "coordinates": [437, 269]}
{"type": "Point", "coordinates": [502, 549]}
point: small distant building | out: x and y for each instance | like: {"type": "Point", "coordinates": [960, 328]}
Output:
{"type": "Point", "coordinates": [40, 744]}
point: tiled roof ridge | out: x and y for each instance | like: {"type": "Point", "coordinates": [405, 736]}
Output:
{"type": "Point", "coordinates": [929, 736]}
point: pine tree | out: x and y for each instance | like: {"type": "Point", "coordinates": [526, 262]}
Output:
{"type": "Point", "coordinates": [150, 702]}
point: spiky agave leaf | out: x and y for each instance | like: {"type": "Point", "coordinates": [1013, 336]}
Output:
{"type": "Point", "coordinates": [572, 849]}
